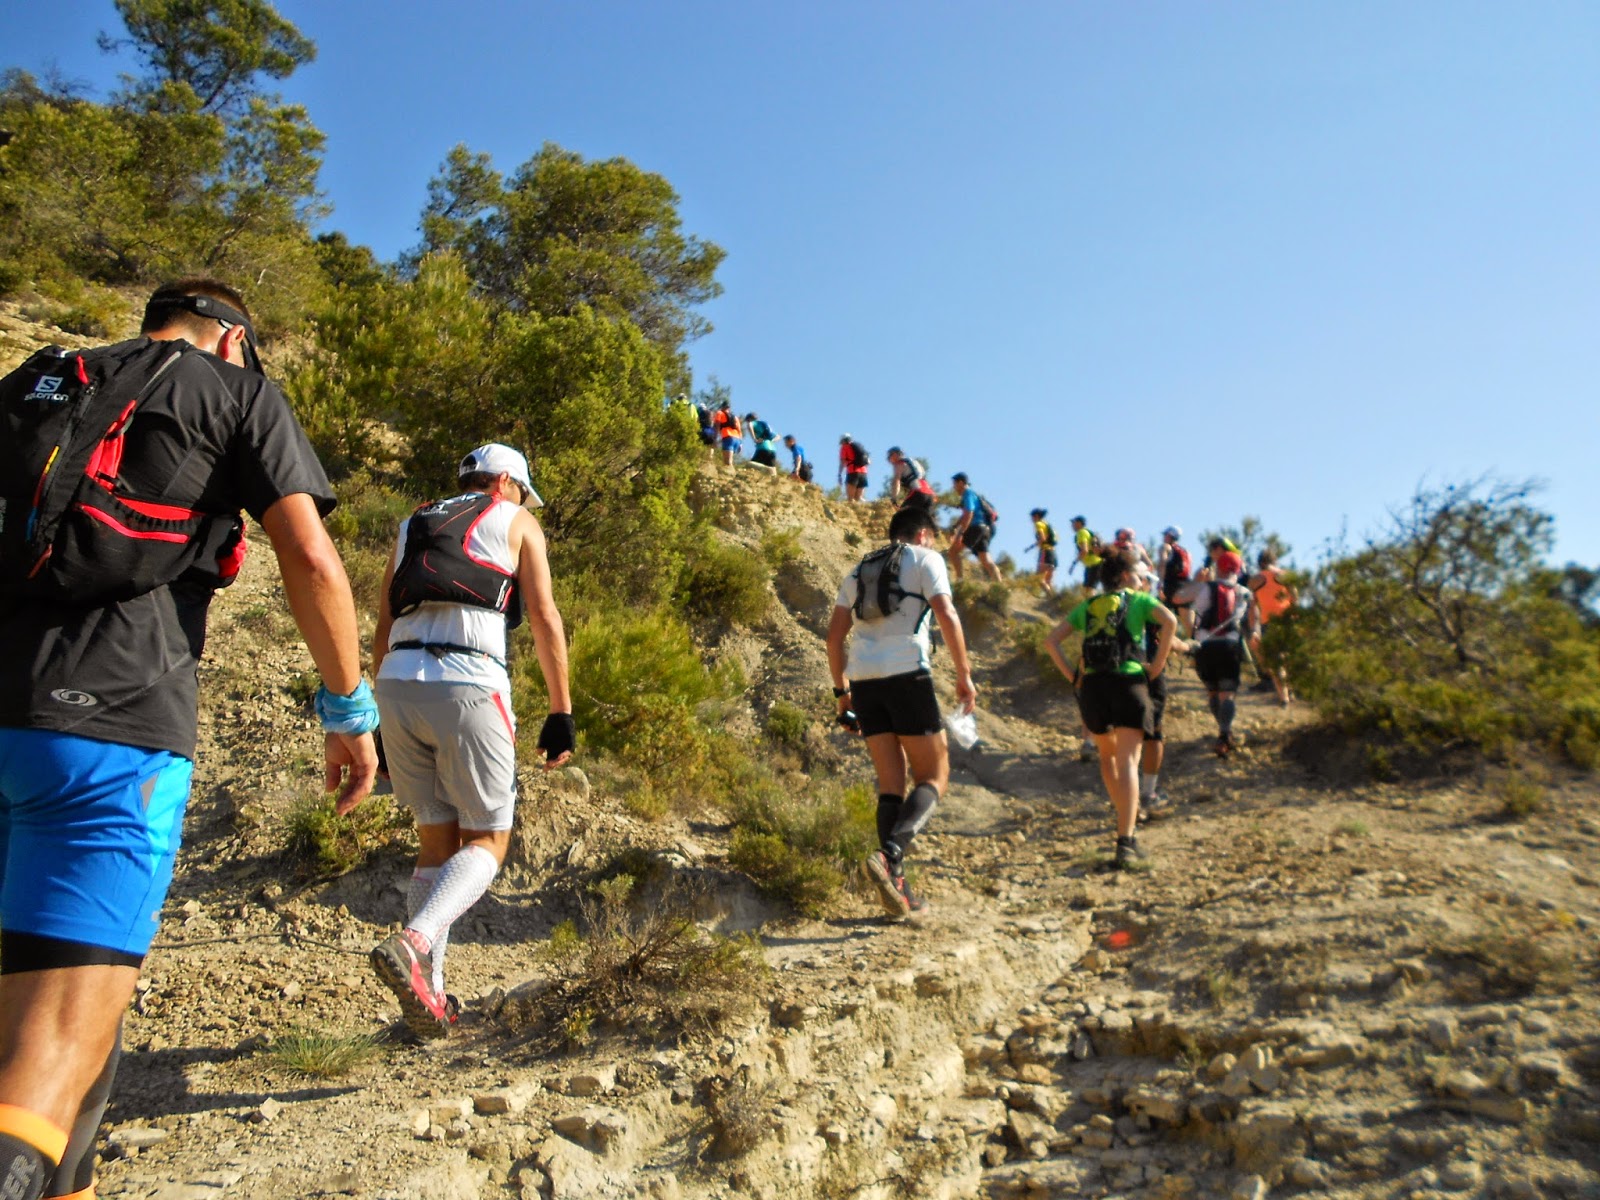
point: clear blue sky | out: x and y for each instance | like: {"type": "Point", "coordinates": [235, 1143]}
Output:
{"type": "Point", "coordinates": [1152, 262]}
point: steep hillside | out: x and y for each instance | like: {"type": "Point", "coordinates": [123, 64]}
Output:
{"type": "Point", "coordinates": [1323, 986]}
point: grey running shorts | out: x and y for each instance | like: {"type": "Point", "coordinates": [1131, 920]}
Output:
{"type": "Point", "coordinates": [451, 752]}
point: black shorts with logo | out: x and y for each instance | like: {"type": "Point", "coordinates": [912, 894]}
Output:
{"type": "Point", "coordinates": [1218, 663]}
{"type": "Point", "coordinates": [976, 538]}
{"type": "Point", "coordinates": [901, 704]}
{"type": "Point", "coordinates": [1118, 701]}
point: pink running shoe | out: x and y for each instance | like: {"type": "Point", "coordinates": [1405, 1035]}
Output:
{"type": "Point", "coordinates": [407, 970]}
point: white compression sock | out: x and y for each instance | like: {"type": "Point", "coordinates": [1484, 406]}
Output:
{"type": "Point", "coordinates": [1147, 783]}
{"type": "Point", "coordinates": [422, 879]}
{"type": "Point", "coordinates": [461, 882]}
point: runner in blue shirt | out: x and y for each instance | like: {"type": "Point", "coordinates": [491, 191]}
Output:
{"type": "Point", "coordinates": [802, 461]}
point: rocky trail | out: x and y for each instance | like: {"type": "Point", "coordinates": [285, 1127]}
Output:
{"type": "Point", "coordinates": [1323, 985]}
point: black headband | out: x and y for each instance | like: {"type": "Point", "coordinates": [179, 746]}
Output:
{"type": "Point", "coordinates": [216, 310]}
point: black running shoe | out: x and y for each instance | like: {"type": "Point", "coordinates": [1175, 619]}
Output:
{"type": "Point", "coordinates": [1127, 853]}
{"type": "Point", "coordinates": [1224, 747]}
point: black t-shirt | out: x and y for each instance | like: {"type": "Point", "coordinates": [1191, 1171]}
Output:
{"type": "Point", "coordinates": [209, 436]}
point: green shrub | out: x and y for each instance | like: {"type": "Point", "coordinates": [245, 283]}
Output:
{"type": "Point", "coordinates": [13, 278]}
{"type": "Point", "coordinates": [1446, 633]}
{"type": "Point", "coordinates": [308, 1053]}
{"type": "Point", "coordinates": [802, 848]}
{"type": "Point", "coordinates": [1028, 641]}
{"type": "Point", "coordinates": [322, 844]}
{"type": "Point", "coordinates": [725, 584]}
{"type": "Point", "coordinates": [787, 724]}
{"type": "Point", "coordinates": [641, 694]}
{"type": "Point", "coordinates": [1520, 795]}
{"type": "Point", "coordinates": [780, 547]}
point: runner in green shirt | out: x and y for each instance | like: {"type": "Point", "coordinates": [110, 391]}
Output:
{"type": "Point", "coordinates": [1113, 685]}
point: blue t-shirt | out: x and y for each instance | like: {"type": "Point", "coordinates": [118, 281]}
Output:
{"type": "Point", "coordinates": [798, 452]}
{"type": "Point", "coordinates": [971, 504]}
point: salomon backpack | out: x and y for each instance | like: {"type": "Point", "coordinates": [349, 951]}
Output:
{"type": "Point", "coordinates": [1107, 641]}
{"type": "Point", "coordinates": [70, 531]}
{"type": "Point", "coordinates": [860, 460]}
{"type": "Point", "coordinates": [436, 566]}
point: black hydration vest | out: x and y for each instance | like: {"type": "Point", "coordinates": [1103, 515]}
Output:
{"type": "Point", "coordinates": [436, 568]}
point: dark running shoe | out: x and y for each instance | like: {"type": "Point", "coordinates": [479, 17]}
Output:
{"type": "Point", "coordinates": [1224, 747]}
{"type": "Point", "coordinates": [407, 971]}
{"type": "Point", "coordinates": [883, 878]}
{"type": "Point", "coordinates": [1127, 853]}
{"type": "Point", "coordinates": [1154, 806]}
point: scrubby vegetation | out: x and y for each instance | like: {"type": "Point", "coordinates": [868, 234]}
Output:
{"type": "Point", "coordinates": [641, 965]}
{"type": "Point", "coordinates": [1447, 630]}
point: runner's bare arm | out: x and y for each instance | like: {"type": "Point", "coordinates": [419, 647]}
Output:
{"type": "Point", "coordinates": [1169, 630]}
{"type": "Point", "coordinates": [1052, 645]}
{"type": "Point", "coordinates": [318, 591]}
{"type": "Point", "coordinates": [538, 601]}
{"type": "Point", "coordinates": [838, 629]}
{"type": "Point", "coordinates": [955, 640]}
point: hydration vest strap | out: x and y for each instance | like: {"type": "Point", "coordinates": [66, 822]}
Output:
{"type": "Point", "coordinates": [440, 649]}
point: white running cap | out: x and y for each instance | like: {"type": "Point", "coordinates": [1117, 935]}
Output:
{"type": "Point", "coordinates": [497, 459]}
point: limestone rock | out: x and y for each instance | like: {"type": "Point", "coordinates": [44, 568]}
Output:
{"type": "Point", "coordinates": [598, 1082]}
{"type": "Point", "coordinates": [1461, 1175]}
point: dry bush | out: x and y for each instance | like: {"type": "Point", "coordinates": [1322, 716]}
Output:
{"type": "Point", "coordinates": [641, 967]}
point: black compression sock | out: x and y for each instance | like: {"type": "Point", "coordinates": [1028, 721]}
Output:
{"type": "Point", "coordinates": [888, 813]}
{"type": "Point", "coordinates": [24, 1170]}
{"type": "Point", "coordinates": [914, 814]}
{"type": "Point", "coordinates": [1225, 711]}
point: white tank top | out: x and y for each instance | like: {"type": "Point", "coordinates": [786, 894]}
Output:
{"type": "Point", "coordinates": [458, 624]}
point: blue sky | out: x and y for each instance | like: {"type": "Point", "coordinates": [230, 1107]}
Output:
{"type": "Point", "coordinates": [1164, 262]}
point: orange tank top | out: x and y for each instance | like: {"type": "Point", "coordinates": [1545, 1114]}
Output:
{"type": "Point", "coordinates": [1272, 597]}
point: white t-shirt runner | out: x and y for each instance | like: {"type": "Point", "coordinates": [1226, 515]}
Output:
{"type": "Point", "coordinates": [897, 644]}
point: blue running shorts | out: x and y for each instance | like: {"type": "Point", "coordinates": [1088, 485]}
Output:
{"type": "Point", "coordinates": [88, 834]}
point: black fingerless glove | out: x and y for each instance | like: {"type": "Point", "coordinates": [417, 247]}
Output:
{"type": "Point", "coordinates": [558, 736]}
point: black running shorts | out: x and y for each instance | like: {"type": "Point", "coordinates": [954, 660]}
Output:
{"type": "Point", "coordinates": [976, 538]}
{"type": "Point", "coordinates": [922, 500]}
{"type": "Point", "coordinates": [1218, 662]}
{"type": "Point", "coordinates": [1047, 558]}
{"type": "Point", "coordinates": [1119, 701]}
{"type": "Point", "coordinates": [901, 704]}
{"type": "Point", "coordinates": [1091, 575]}
{"type": "Point", "coordinates": [856, 479]}
{"type": "Point", "coordinates": [1157, 688]}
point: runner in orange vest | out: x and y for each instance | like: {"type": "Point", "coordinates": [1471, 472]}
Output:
{"type": "Point", "coordinates": [1274, 597]}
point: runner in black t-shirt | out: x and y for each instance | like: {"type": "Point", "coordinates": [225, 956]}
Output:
{"type": "Point", "coordinates": [98, 729]}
